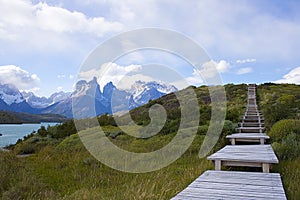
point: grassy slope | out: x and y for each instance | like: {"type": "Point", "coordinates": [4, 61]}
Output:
{"type": "Point", "coordinates": [65, 170]}
{"type": "Point", "coordinates": [282, 101]}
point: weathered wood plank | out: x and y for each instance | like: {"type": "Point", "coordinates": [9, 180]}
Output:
{"type": "Point", "coordinates": [234, 185]}
{"type": "Point", "coordinates": [246, 153]}
{"type": "Point", "coordinates": [248, 135]}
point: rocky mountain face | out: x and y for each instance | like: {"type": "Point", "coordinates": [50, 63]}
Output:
{"type": "Point", "coordinates": [9, 94]}
{"type": "Point", "coordinates": [87, 100]}
{"type": "Point", "coordinates": [43, 102]}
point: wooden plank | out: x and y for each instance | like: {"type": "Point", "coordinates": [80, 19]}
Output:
{"type": "Point", "coordinates": [250, 129]}
{"type": "Point", "coordinates": [246, 153]}
{"type": "Point", "coordinates": [248, 135]}
{"type": "Point", "coordinates": [251, 124]}
{"type": "Point", "coordinates": [234, 185]}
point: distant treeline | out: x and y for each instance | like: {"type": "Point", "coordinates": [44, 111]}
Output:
{"type": "Point", "coordinates": [19, 118]}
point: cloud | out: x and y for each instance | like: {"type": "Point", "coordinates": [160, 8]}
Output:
{"type": "Point", "coordinates": [234, 29]}
{"type": "Point", "coordinates": [248, 60]}
{"type": "Point", "coordinates": [41, 16]}
{"type": "Point", "coordinates": [59, 88]}
{"type": "Point", "coordinates": [39, 28]}
{"type": "Point", "coordinates": [209, 69]}
{"type": "Point", "coordinates": [121, 76]}
{"type": "Point", "coordinates": [195, 79]}
{"type": "Point", "coordinates": [61, 76]}
{"type": "Point", "coordinates": [22, 79]}
{"type": "Point", "coordinates": [292, 77]}
{"type": "Point", "coordinates": [245, 70]}
{"type": "Point", "coordinates": [222, 66]}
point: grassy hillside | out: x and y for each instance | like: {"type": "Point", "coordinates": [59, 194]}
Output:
{"type": "Point", "coordinates": [280, 105]}
{"type": "Point", "coordinates": [61, 167]}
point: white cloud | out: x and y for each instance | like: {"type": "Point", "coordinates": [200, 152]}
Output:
{"type": "Point", "coordinates": [195, 79]}
{"type": "Point", "coordinates": [121, 76]}
{"type": "Point", "coordinates": [23, 13]}
{"type": "Point", "coordinates": [239, 29]}
{"type": "Point", "coordinates": [22, 79]}
{"type": "Point", "coordinates": [209, 69]}
{"type": "Point", "coordinates": [222, 66]}
{"type": "Point", "coordinates": [245, 70]}
{"type": "Point", "coordinates": [292, 77]}
{"type": "Point", "coordinates": [59, 88]}
{"type": "Point", "coordinates": [62, 20]}
{"type": "Point", "coordinates": [39, 28]}
{"type": "Point", "coordinates": [61, 76]}
{"type": "Point", "coordinates": [248, 60]}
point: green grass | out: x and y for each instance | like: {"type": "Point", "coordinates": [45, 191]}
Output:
{"type": "Point", "coordinates": [69, 172]}
{"type": "Point", "coordinates": [290, 173]}
{"type": "Point", "coordinates": [62, 168]}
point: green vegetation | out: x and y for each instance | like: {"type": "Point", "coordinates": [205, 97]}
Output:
{"type": "Point", "coordinates": [7, 117]}
{"type": "Point", "coordinates": [280, 105]}
{"type": "Point", "coordinates": [279, 101]}
{"type": "Point", "coordinates": [61, 167]}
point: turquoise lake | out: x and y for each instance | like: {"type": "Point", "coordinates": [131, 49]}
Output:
{"type": "Point", "coordinates": [12, 132]}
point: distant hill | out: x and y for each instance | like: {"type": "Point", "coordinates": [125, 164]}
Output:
{"type": "Point", "coordinates": [18, 118]}
{"type": "Point", "coordinates": [9, 118]}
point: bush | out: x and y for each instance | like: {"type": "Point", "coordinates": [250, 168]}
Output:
{"type": "Point", "coordinates": [283, 128]}
{"type": "Point", "coordinates": [33, 144]}
{"type": "Point", "coordinates": [289, 148]}
{"type": "Point", "coordinates": [285, 135]}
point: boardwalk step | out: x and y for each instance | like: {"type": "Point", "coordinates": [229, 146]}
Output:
{"type": "Point", "coordinates": [234, 185]}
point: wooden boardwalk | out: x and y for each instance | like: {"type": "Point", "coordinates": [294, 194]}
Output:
{"type": "Point", "coordinates": [248, 137]}
{"type": "Point", "coordinates": [241, 185]}
{"type": "Point", "coordinates": [245, 155]}
{"type": "Point", "coordinates": [234, 186]}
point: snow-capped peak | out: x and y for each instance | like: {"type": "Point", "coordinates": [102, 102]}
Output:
{"type": "Point", "coordinates": [140, 87]}
{"type": "Point", "coordinates": [10, 94]}
{"type": "Point", "coordinates": [142, 91]}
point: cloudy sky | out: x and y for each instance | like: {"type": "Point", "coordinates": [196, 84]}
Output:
{"type": "Point", "coordinates": [44, 43]}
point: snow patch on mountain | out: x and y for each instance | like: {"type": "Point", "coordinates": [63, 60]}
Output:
{"type": "Point", "coordinates": [10, 94]}
{"type": "Point", "coordinates": [142, 91]}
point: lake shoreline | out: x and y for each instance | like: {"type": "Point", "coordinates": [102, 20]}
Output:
{"type": "Point", "coordinates": [11, 133]}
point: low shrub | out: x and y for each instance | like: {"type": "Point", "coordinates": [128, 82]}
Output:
{"type": "Point", "coordinates": [283, 128]}
{"type": "Point", "coordinates": [289, 148]}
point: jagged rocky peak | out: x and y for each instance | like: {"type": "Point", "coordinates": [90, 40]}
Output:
{"type": "Point", "coordinates": [59, 96]}
{"type": "Point", "coordinates": [80, 85]}
{"type": "Point", "coordinates": [10, 94]}
{"type": "Point", "coordinates": [108, 89]}
{"type": "Point", "coordinates": [94, 81]}
{"type": "Point", "coordinates": [159, 86]}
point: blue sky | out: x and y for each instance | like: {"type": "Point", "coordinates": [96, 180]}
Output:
{"type": "Point", "coordinates": [44, 43]}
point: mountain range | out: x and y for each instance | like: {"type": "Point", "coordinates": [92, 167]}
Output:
{"type": "Point", "coordinates": [86, 100]}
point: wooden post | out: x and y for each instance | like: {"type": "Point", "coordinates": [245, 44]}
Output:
{"type": "Point", "coordinates": [232, 141]}
{"type": "Point", "coordinates": [218, 165]}
{"type": "Point", "coordinates": [262, 141]}
{"type": "Point", "coordinates": [266, 167]}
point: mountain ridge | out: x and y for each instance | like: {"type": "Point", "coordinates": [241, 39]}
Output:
{"type": "Point", "coordinates": [85, 95]}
